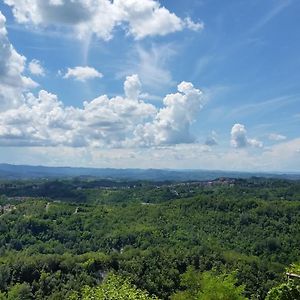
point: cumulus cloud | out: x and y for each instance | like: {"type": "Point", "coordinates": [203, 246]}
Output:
{"type": "Point", "coordinates": [142, 18]}
{"type": "Point", "coordinates": [12, 65]}
{"type": "Point", "coordinates": [35, 68]}
{"type": "Point", "coordinates": [239, 138]}
{"type": "Point", "coordinates": [45, 121]}
{"type": "Point", "coordinates": [82, 73]}
{"type": "Point", "coordinates": [132, 86]}
{"type": "Point", "coordinates": [121, 121]}
{"type": "Point", "coordinates": [276, 137]}
{"type": "Point", "coordinates": [172, 123]}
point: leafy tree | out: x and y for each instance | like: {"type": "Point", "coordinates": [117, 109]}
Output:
{"type": "Point", "coordinates": [114, 287]}
{"type": "Point", "coordinates": [284, 291]}
{"type": "Point", "coordinates": [289, 290]}
{"type": "Point", "coordinates": [148, 232]}
{"type": "Point", "coordinates": [209, 286]}
{"type": "Point", "coordinates": [220, 287]}
{"type": "Point", "coordinates": [20, 291]}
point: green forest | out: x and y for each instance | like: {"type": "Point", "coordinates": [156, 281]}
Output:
{"type": "Point", "coordinates": [100, 239]}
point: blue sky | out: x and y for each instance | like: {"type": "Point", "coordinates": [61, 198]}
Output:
{"type": "Point", "coordinates": [84, 83]}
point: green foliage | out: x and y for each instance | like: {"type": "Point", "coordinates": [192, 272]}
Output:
{"type": "Point", "coordinates": [20, 292]}
{"type": "Point", "coordinates": [113, 287]}
{"type": "Point", "coordinates": [69, 234]}
{"type": "Point", "coordinates": [220, 287]}
{"type": "Point", "coordinates": [289, 290]}
{"type": "Point", "coordinates": [209, 286]}
{"type": "Point", "coordinates": [285, 291]}
{"type": "Point", "coordinates": [294, 268]}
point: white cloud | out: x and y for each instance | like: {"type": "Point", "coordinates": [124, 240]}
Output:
{"type": "Point", "coordinates": [36, 68]}
{"type": "Point", "coordinates": [3, 31]}
{"type": "Point", "coordinates": [239, 138]}
{"type": "Point", "coordinates": [103, 122]}
{"type": "Point", "coordinates": [255, 143]}
{"type": "Point", "coordinates": [142, 18]}
{"type": "Point", "coordinates": [132, 87]}
{"type": "Point", "coordinates": [12, 65]}
{"type": "Point", "coordinates": [276, 137]}
{"type": "Point", "coordinates": [56, 2]}
{"type": "Point", "coordinates": [172, 123]}
{"type": "Point", "coordinates": [148, 18]}
{"type": "Point", "coordinates": [122, 121]}
{"type": "Point", "coordinates": [190, 24]}
{"type": "Point", "coordinates": [82, 73]}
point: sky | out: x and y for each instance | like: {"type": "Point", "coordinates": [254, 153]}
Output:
{"type": "Point", "coordinates": [196, 84]}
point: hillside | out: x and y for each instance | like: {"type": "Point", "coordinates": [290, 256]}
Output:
{"type": "Point", "coordinates": [150, 234]}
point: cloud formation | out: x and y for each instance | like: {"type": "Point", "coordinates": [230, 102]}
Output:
{"type": "Point", "coordinates": [276, 137]}
{"type": "Point", "coordinates": [141, 18]}
{"type": "Point", "coordinates": [12, 81]}
{"type": "Point", "coordinates": [35, 68]}
{"type": "Point", "coordinates": [82, 73]}
{"type": "Point", "coordinates": [122, 121]}
{"type": "Point", "coordinates": [171, 124]}
{"type": "Point", "coordinates": [239, 138]}
{"type": "Point", "coordinates": [132, 87]}
{"type": "Point", "coordinates": [27, 119]}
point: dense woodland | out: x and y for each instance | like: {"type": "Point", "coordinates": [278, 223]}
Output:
{"type": "Point", "coordinates": [99, 239]}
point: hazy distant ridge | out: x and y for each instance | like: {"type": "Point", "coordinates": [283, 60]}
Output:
{"type": "Point", "coordinates": [8, 171]}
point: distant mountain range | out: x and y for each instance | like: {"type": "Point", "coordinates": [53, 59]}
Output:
{"type": "Point", "coordinates": [8, 171]}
